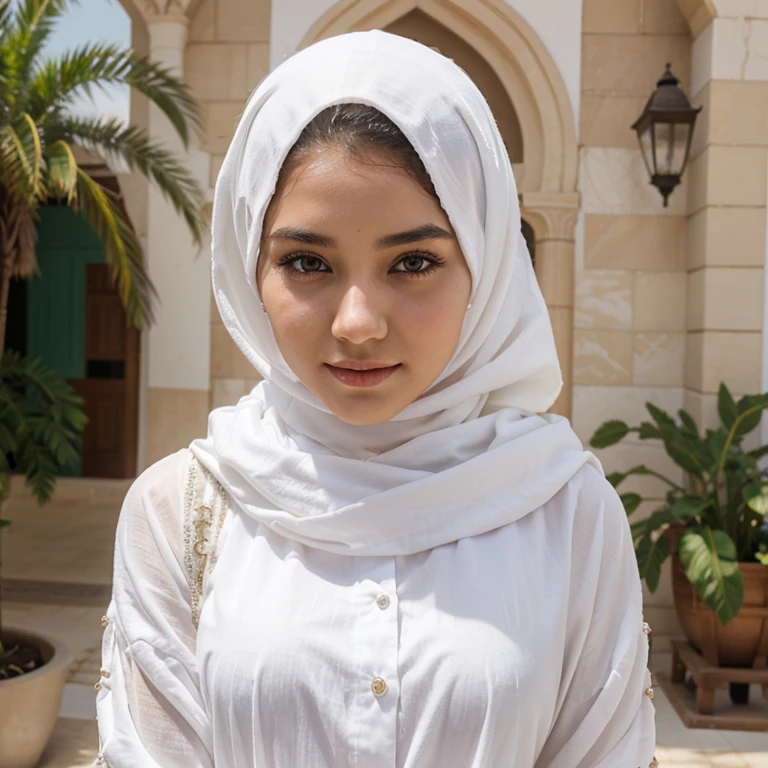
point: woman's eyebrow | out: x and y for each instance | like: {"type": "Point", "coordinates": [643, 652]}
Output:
{"type": "Point", "coordinates": [424, 232]}
{"type": "Point", "coordinates": [305, 236]}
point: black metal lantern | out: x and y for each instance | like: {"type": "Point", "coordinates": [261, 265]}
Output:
{"type": "Point", "coordinates": [665, 130]}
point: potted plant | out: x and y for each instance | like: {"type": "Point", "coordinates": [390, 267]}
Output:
{"type": "Point", "coordinates": [713, 525]}
{"type": "Point", "coordinates": [41, 418]}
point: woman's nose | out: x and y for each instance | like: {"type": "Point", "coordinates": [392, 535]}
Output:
{"type": "Point", "coordinates": [358, 319]}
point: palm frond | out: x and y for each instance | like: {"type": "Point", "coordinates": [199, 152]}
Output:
{"type": "Point", "coordinates": [61, 179]}
{"type": "Point", "coordinates": [123, 249]}
{"type": "Point", "coordinates": [33, 24]}
{"type": "Point", "coordinates": [131, 144]}
{"type": "Point", "coordinates": [22, 160]}
{"type": "Point", "coordinates": [97, 65]}
{"type": "Point", "coordinates": [162, 87]}
{"type": "Point", "coordinates": [6, 15]}
{"type": "Point", "coordinates": [59, 80]}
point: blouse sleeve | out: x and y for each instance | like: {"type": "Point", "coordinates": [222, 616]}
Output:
{"type": "Point", "coordinates": [149, 706]}
{"type": "Point", "coordinates": [604, 716]}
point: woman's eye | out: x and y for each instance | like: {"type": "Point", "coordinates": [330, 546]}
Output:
{"type": "Point", "coordinates": [413, 264]}
{"type": "Point", "coordinates": [307, 264]}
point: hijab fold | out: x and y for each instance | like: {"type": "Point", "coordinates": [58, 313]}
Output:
{"type": "Point", "coordinates": [475, 451]}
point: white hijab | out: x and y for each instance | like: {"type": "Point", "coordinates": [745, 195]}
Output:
{"type": "Point", "coordinates": [468, 456]}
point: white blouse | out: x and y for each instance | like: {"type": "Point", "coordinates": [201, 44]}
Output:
{"type": "Point", "coordinates": [524, 646]}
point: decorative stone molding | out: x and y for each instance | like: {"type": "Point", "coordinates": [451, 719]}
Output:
{"type": "Point", "coordinates": [152, 11]}
{"type": "Point", "coordinates": [552, 216]}
{"type": "Point", "coordinates": [698, 14]}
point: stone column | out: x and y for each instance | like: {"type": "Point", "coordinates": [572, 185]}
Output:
{"type": "Point", "coordinates": [177, 347]}
{"type": "Point", "coordinates": [726, 253]}
{"type": "Point", "coordinates": [553, 218]}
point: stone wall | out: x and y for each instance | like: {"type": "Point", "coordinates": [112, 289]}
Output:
{"type": "Point", "coordinates": [226, 57]}
{"type": "Point", "coordinates": [630, 303]}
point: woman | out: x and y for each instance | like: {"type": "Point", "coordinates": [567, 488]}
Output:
{"type": "Point", "coordinates": [412, 567]}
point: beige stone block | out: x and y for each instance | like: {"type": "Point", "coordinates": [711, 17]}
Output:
{"type": "Point", "coordinates": [216, 163]}
{"type": "Point", "coordinates": [227, 362]}
{"type": "Point", "coordinates": [227, 391]}
{"type": "Point", "coordinates": [609, 16]}
{"type": "Point", "coordinates": [242, 21]}
{"type": "Point", "coordinates": [660, 17]}
{"type": "Point", "coordinates": [604, 300]}
{"type": "Point", "coordinates": [216, 71]}
{"type": "Point", "coordinates": [615, 180]}
{"type": "Point", "coordinates": [606, 120]}
{"type": "Point", "coordinates": [202, 27]}
{"type": "Point", "coordinates": [554, 271]}
{"type": "Point", "coordinates": [220, 122]}
{"type": "Point", "coordinates": [658, 359]}
{"type": "Point", "coordinates": [594, 405]}
{"type": "Point", "coordinates": [725, 299]}
{"type": "Point", "coordinates": [629, 65]}
{"type": "Point", "coordinates": [647, 243]}
{"type": "Point", "coordinates": [727, 176]}
{"type": "Point", "coordinates": [738, 113]}
{"type": "Point", "coordinates": [726, 237]}
{"type": "Point", "coordinates": [712, 357]}
{"type": "Point", "coordinates": [659, 301]}
{"type": "Point", "coordinates": [175, 417]}
{"type": "Point", "coordinates": [258, 64]}
{"type": "Point", "coordinates": [602, 358]}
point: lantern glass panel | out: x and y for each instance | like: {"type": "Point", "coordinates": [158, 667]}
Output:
{"type": "Point", "coordinates": [671, 146]}
{"type": "Point", "coordinates": [646, 147]}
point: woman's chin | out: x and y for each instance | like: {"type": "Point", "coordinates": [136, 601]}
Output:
{"type": "Point", "coordinates": [364, 414]}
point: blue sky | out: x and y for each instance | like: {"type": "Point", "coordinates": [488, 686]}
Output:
{"type": "Point", "coordinates": [90, 21]}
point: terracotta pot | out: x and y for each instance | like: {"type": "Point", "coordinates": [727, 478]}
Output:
{"type": "Point", "coordinates": [29, 704]}
{"type": "Point", "coordinates": [743, 641]}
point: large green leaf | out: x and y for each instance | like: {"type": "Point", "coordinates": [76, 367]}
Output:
{"type": "Point", "coordinates": [686, 451]}
{"type": "Point", "coordinates": [756, 496]}
{"type": "Point", "coordinates": [726, 407]}
{"type": "Point", "coordinates": [750, 408]}
{"type": "Point", "coordinates": [609, 434]}
{"type": "Point", "coordinates": [651, 553]}
{"type": "Point", "coordinates": [688, 423]}
{"type": "Point", "coordinates": [631, 502]}
{"type": "Point", "coordinates": [710, 561]}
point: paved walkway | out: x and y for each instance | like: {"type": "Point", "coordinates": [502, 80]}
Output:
{"type": "Point", "coordinates": [57, 568]}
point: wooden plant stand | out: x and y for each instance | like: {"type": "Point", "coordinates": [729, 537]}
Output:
{"type": "Point", "coordinates": [698, 710]}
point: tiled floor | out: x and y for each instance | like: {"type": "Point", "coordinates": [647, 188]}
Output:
{"type": "Point", "coordinates": [71, 541]}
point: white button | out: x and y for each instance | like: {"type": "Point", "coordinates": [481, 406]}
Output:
{"type": "Point", "coordinates": [383, 601]}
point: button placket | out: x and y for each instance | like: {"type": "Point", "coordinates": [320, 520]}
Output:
{"type": "Point", "coordinates": [378, 637]}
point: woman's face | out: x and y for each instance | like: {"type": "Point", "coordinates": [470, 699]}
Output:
{"type": "Point", "coordinates": [364, 283]}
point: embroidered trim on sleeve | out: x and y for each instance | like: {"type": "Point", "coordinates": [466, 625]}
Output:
{"type": "Point", "coordinates": [205, 509]}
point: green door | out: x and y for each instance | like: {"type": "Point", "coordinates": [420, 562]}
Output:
{"type": "Point", "coordinates": [56, 298]}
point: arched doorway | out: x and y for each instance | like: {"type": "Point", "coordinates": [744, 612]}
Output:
{"type": "Point", "coordinates": [520, 80]}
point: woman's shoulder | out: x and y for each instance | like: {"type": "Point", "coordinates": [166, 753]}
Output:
{"type": "Point", "coordinates": [154, 504]}
{"type": "Point", "coordinates": [162, 481]}
{"type": "Point", "coordinates": [594, 505]}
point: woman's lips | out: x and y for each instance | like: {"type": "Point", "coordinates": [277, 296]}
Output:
{"type": "Point", "coordinates": [367, 377]}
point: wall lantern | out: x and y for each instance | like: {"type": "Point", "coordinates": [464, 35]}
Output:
{"type": "Point", "coordinates": [665, 130]}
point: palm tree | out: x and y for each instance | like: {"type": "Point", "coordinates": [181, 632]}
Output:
{"type": "Point", "coordinates": [41, 417]}
{"type": "Point", "coordinates": [38, 132]}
